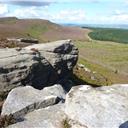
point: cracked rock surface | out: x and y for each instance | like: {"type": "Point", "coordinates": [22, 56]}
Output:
{"type": "Point", "coordinates": [37, 65]}
{"type": "Point", "coordinates": [84, 107]}
{"type": "Point", "coordinates": [23, 100]}
{"type": "Point", "coordinates": [50, 117]}
{"type": "Point", "coordinates": [39, 100]}
{"type": "Point", "coordinates": [101, 107]}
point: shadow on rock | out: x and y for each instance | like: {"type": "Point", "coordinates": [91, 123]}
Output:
{"type": "Point", "coordinates": [124, 125]}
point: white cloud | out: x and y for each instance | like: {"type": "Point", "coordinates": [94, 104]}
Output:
{"type": "Point", "coordinates": [3, 9]}
{"type": "Point", "coordinates": [43, 13]}
{"type": "Point", "coordinates": [27, 12]}
{"type": "Point", "coordinates": [112, 19]}
{"type": "Point", "coordinates": [118, 12]}
{"type": "Point", "coordinates": [70, 16]}
{"type": "Point", "coordinates": [40, 3]}
{"type": "Point", "coordinates": [119, 16]}
{"type": "Point", "coordinates": [122, 18]}
{"type": "Point", "coordinates": [126, 1]}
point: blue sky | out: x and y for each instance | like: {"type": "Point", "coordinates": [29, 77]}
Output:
{"type": "Point", "coordinates": [68, 11]}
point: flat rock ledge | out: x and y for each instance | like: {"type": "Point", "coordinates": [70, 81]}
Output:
{"type": "Point", "coordinates": [84, 107]}
{"type": "Point", "coordinates": [102, 107]}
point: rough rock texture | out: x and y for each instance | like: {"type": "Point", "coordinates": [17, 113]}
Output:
{"type": "Point", "coordinates": [85, 107]}
{"type": "Point", "coordinates": [102, 107]}
{"type": "Point", "coordinates": [37, 65]}
{"type": "Point", "coordinates": [23, 100]}
{"type": "Point", "coordinates": [50, 117]}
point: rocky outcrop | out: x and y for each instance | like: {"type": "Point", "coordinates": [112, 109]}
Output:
{"type": "Point", "coordinates": [41, 100]}
{"type": "Point", "coordinates": [37, 65]}
{"type": "Point", "coordinates": [25, 40]}
{"type": "Point", "coordinates": [102, 107]}
{"type": "Point", "coordinates": [85, 107]}
{"type": "Point", "coordinates": [23, 100]}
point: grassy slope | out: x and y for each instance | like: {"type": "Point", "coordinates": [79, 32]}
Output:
{"type": "Point", "coordinates": [106, 58]}
{"type": "Point", "coordinates": [106, 34]}
{"type": "Point", "coordinates": [41, 29]}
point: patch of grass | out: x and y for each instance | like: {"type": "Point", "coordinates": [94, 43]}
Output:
{"type": "Point", "coordinates": [107, 54]}
{"type": "Point", "coordinates": [109, 60]}
{"type": "Point", "coordinates": [36, 30]}
{"type": "Point", "coordinates": [108, 34]}
{"type": "Point", "coordinates": [101, 76]}
{"type": "Point", "coordinates": [95, 79]}
{"type": "Point", "coordinates": [66, 124]}
{"type": "Point", "coordinates": [77, 78]}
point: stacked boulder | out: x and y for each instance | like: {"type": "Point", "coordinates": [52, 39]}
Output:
{"type": "Point", "coordinates": [37, 65]}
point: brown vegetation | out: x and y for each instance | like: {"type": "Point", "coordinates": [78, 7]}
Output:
{"type": "Point", "coordinates": [4, 43]}
{"type": "Point", "coordinates": [6, 121]}
{"type": "Point", "coordinates": [43, 30]}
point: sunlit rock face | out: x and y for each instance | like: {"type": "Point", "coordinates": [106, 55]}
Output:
{"type": "Point", "coordinates": [37, 65]}
{"type": "Point", "coordinates": [102, 107]}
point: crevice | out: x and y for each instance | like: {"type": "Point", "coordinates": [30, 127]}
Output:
{"type": "Point", "coordinates": [49, 101]}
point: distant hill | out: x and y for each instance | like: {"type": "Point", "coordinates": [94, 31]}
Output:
{"type": "Point", "coordinates": [120, 26]}
{"type": "Point", "coordinates": [6, 20]}
{"type": "Point", "coordinates": [110, 34]}
{"type": "Point", "coordinates": [43, 30]}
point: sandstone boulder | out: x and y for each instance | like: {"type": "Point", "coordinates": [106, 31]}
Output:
{"type": "Point", "coordinates": [102, 107]}
{"type": "Point", "coordinates": [85, 107]}
{"type": "Point", "coordinates": [23, 100]}
{"type": "Point", "coordinates": [50, 117]}
{"type": "Point", "coordinates": [37, 65]}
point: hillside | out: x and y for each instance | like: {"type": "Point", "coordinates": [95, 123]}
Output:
{"type": "Point", "coordinates": [109, 34]}
{"type": "Point", "coordinates": [44, 30]}
{"type": "Point", "coordinates": [108, 59]}
{"type": "Point", "coordinates": [103, 59]}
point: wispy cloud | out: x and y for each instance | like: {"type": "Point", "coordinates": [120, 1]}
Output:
{"type": "Point", "coordinates": [126, 1]}
{"type": "Point", "coordinates": [28, 2]}
{"type": "Point", "coordinates": [43, 2]}
{"type": "Point", "coordinates": [70, 16]}
{"type": "Point", "coordinates": [67, 16]}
